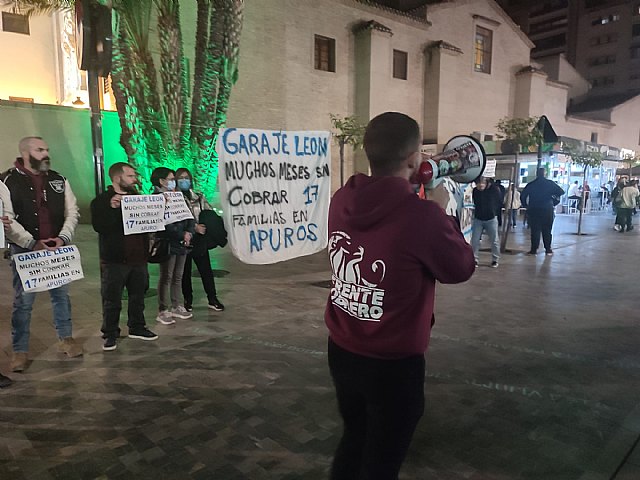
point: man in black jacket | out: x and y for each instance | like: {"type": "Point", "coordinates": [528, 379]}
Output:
{"type": "Point", "coordinates": [487, 208]}
{"type": "Point", "coordinates": [538, 197]}
{"type": "Point", "coordinates": [123, 259]}
{"type": "Point", "coordinates": [44, 215]}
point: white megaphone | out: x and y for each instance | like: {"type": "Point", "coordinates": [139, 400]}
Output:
{"type": "Point", "coordinates": [463, 159]}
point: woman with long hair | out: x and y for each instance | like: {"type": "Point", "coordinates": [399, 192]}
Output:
{"type": "Point", "coordinates": [199, 254]}
{"type": "Point", "coordinates": [180, 234]}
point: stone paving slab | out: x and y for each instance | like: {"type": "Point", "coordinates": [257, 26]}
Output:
{"type": "Point", "coordinates": [533, 373]}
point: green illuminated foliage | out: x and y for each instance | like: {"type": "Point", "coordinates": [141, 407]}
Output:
{"type": "Point", "coordinates": [165, 117]}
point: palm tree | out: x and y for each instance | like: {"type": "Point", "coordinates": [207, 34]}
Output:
{"type": "Point", "coordinates": [165, 120]}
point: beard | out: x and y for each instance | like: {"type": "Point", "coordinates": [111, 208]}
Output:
{"type": "Point", "coordinates": [133, 188]}
{"type": "Point", "coordinates": [40, 165]}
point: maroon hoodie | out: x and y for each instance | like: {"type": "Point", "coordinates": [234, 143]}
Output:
{"type": "Point", "coordinates": [387, 248]}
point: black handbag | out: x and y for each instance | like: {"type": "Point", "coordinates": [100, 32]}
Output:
{"type": "Point", "coordinates": [159, 249]}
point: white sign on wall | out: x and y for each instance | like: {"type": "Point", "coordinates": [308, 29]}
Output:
{"type": "Point", "coordinates": [142, 213]}
{"type": "Point", "coordinates": [490, 169]}
{"type": "Point", "coordinates": [42, 270]}
{"type": "Point", "coordinates": [275, 188]}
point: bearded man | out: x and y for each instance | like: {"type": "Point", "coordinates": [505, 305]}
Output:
{"type": "Point", "coordinates": [43, 215]}
{"type": "Point", "coordinates": [123, 259]}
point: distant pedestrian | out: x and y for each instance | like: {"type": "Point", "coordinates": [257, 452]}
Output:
{"type": "Point", "coordinates": [574, 194]}
{"type": "Point", "coordinates": [44, 217]}
{"type": "Point", "coordinates": [538, 198]}
{"type": "Point", "coordinates": [487, 207]}
{"type": "Point", "coordinates": [628, 196]}
{"type": "Point", "coordinates": [180, 234]}
{"type": "Point", "coordinates": [123, 259]}
{"type": "Point", "coordinates": [199, 254]}
{"type": "Point", "coordinates": [512, 203]}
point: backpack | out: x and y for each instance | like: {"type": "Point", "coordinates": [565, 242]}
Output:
{"type": "Point", "coordinates": [616, 197]}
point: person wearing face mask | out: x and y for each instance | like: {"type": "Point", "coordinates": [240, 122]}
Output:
{"type": "Point", "coordinates": [180, 234]}
{"type": "Point", "coordinates": [199, 254]}
{"type": "Point", "coordinates": [44, 215]}
{"type": "Point", "coordinates": [123, 259]}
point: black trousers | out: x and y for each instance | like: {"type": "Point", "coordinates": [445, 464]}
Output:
{"type": "Point", "coordinates": [203, 264]}
{"type": "Point", "coordinates": [381, 402]}
{"type": "Point", "coordinates": [540, 222]}
{"type": "Point", "coordinates": [624, 217]}
{"type": "Point", "coordinates": [114, 278]}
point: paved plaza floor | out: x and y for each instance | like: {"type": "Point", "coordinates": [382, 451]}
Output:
{"type": "Point", "coordinates": [533, 373]}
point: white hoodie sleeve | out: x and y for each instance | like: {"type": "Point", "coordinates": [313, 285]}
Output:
{"type": "Point", "coordinates": [71, 214]}
{"type": "Point", "coordinates": [16, 233]}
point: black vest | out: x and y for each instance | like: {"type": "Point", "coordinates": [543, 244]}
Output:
{"type": "Point", "coordinates": [23, 199]}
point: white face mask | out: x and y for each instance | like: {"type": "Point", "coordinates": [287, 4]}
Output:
{"type": "Point", "coordinates": [171, 184]}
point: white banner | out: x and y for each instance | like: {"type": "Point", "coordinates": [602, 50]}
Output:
{"type": "Point", "coordinates": [42, 270]}
{"type": "Point", "coordinates": [142, 213]}
{"type": "Point", "coordinates": [275, 188]}
{"type": "Point", "coordinates": [176, 208]}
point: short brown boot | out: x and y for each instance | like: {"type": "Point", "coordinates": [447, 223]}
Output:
{"type": "Point", "coordinates": [70, 347]}
{"type": "Point", "coordinates": [19, 361]}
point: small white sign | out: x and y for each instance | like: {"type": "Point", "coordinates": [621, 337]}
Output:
{"type": "Point", "coordinates": [490, 169]}
{"type": "Point", "coordinates": [142, 213]}
{"type": "Point", "coordinates": [42, 270]}
{"type": "Point", "coordinates": [176, 208]}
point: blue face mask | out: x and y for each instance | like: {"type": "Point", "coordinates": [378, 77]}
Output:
{"type": "Point", "coordinates": [171, 184]}
{"type": "Point", "coordinates": [184, 184]}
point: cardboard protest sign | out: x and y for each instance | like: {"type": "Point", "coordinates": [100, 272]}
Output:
{"type": "Point", "coordinates": [275, 188]}
{"type": "Point", "coordinates": [42, 270]}
{"type": "Point", "coordinates": [176, 208]}
{"type": "Point", "coordinates": [142, 213]}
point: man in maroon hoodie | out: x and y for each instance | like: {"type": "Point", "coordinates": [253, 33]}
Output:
{"type": "Point", "coordinates": [387, 248]}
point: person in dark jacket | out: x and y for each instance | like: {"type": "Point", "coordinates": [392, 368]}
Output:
{"type": "Point", "coordinates": [487, 202]}
{"type": "Point", "coordinates": [200, 253]}
{"type": "Point", "coordinates": [387, 249]}
{"type": "Point", "coordinates": [180, 235]}
{"type": "Point", "coordinates": [44, 215]}
{"type": "Point", "coordinates": [539, 199]}
{"type": "Point", "coordinates": [123, 259]}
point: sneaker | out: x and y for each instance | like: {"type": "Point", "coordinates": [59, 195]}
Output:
{"type": "Point", "coordinates": [494, 264]}
{"type": "Point", "coordinates": [617, 228]}
{"type": "Point", "coordinates": [70, 347]}
{"type": "Point", "coordinates": [477, 264]}
{"type": "Point", "coordinates": [165, 318]}
{"type": "Point", "coordinates": [19, 361]}
{"type": "Point", "coordinates": [629, 228]}
{"type": "Point", "coordinates": [143, 334]}
{"type": "Point", "coordinates": [532, 253]}
{"type": "Point", "coordinates": [188, 307]}
{"type": "Point", "coordinates": [181, 312]}
{"type": "Point", "coordinates": [109, 344]}
{"type": "Point", "coordinates": [549, 252]}
{"type": "Point", "coordinates": [5, 381]}
{"type": "Point", "coordinates": [216, 305]}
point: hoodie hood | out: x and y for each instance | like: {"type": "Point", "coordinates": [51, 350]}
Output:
{"type": "Point", "coordinates": [368, 200]}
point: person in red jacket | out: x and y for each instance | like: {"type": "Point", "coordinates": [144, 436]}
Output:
{"type": "Point", "coordinates": [387, 248]}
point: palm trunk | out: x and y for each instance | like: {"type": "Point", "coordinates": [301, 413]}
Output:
{"type": "Point", "coordinates": [171, 69]}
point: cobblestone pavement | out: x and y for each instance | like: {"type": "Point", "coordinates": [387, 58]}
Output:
{"type": "Point", "coordinates": [533, 373]}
